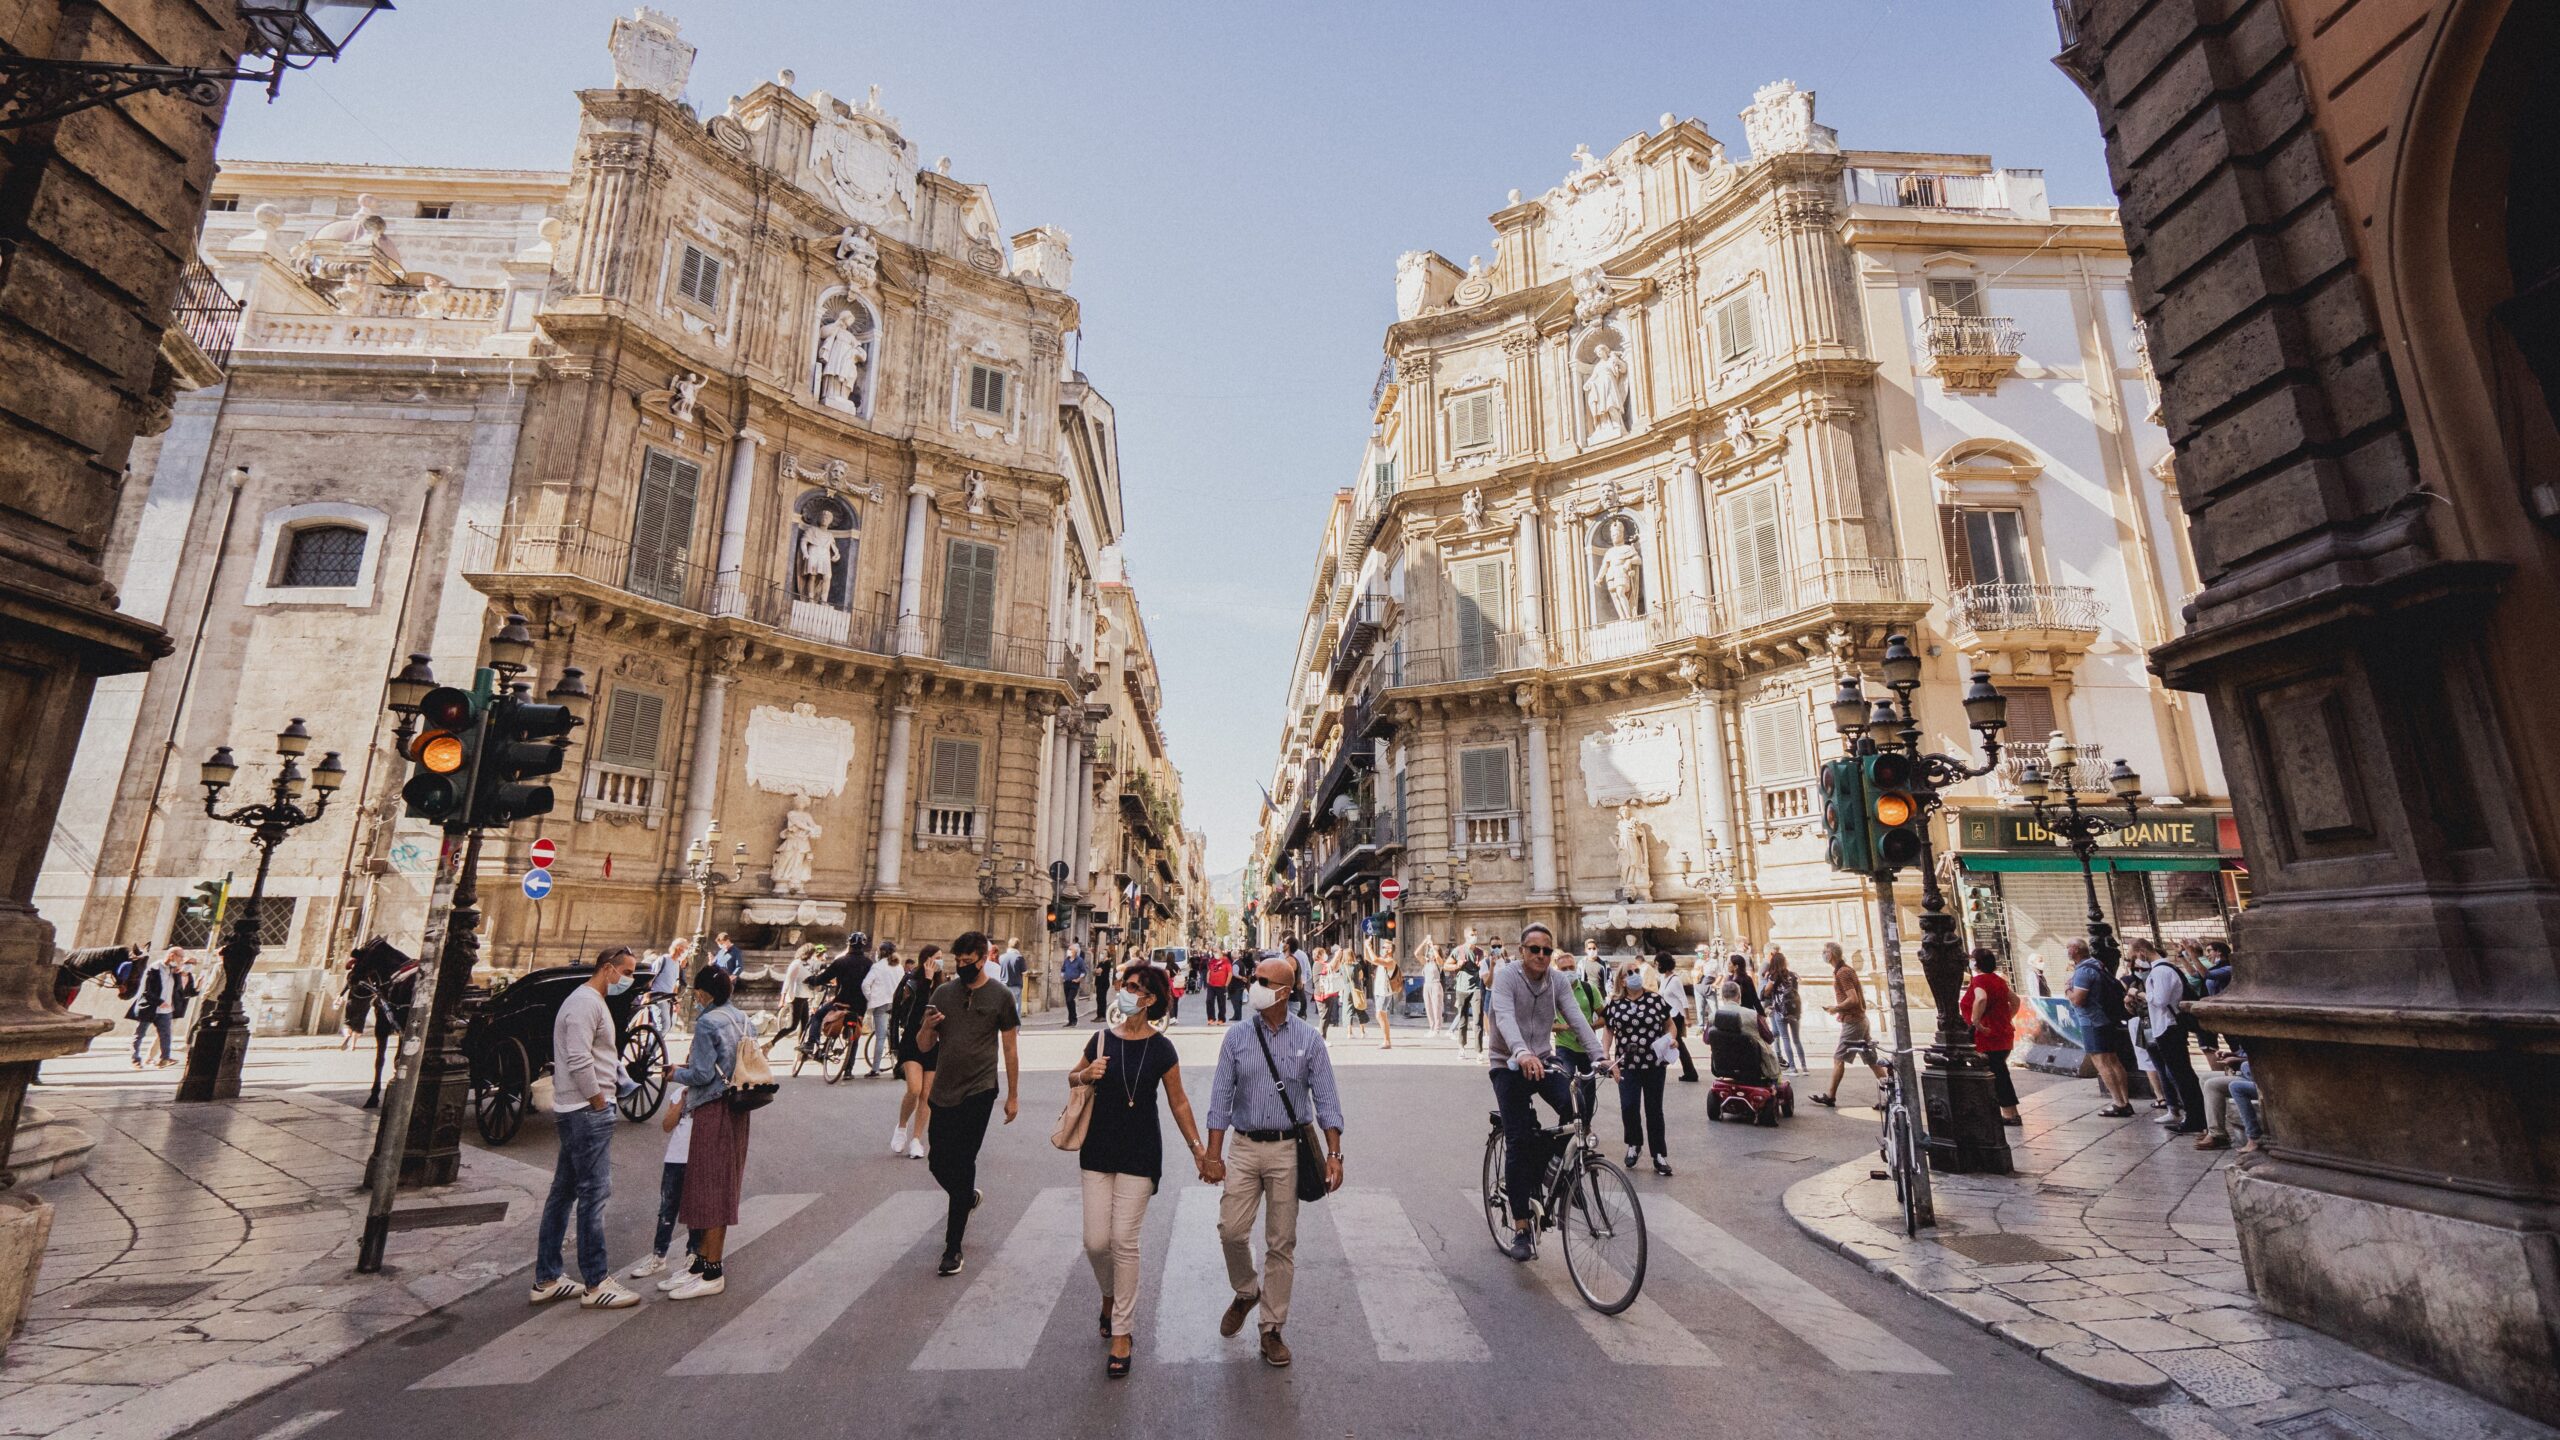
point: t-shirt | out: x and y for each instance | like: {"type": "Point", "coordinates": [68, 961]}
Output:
{"type": "Point", "coordinates": [965, 1046]}
{"type": "Point", "coordinates": [1637, 1021]}
{"type": "Point", "coordinates": [1585, 995]}
{"type": "Point", "coordinates": [680, 1143]}
{"type": "Point", "coordinates": [2091, 978]}
{"type": "Point", "coordinates": [1998, 1029]}
{"type": "Point", "coordinates": [1125, 1137]}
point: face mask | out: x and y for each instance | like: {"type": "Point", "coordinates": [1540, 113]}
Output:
{"type": "Point", "coordinates": [1123, 1006]}
{"type": "Point", "coordinates": [1259, 996]}
{"type": "Point", "coordinates": [616, 987]}
{"type": "Point", "coordinates": [967, 972]}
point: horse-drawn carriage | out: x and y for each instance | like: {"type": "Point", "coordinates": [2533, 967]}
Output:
{"type": "Point", "coordinates": [508, 1042]}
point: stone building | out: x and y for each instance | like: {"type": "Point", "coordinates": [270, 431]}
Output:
{"type": "Point", "coordinates": [1136, 851]}
{"type": "Point", "coordinates": [1705, 431]}
{"type": "Point", "coordinates": [768, 430]}
{"type": "Point", "coordinates": [2340, 222]}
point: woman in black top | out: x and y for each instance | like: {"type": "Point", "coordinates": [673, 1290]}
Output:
{"type": "Point", "coordinates": [906, 1016]}
{"type": "Point", "coordinates": [1123, 1153]}
{"type": "Point", "coordinates": [1738, 970]}
{"type": "Point", "coordinates": [1636, 1017]}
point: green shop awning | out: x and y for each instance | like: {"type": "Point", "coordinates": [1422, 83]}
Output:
{"type": "Point", "coordinates": [2100, 862]}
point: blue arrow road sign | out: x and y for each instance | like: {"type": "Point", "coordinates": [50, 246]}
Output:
{"type": "Point", "coordinates": [537, 883]}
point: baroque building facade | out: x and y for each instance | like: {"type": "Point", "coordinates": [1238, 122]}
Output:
{"type": "Point", "coordinates": [1702, 434]}
{"type": "Point", "coordinates": [766, 427]}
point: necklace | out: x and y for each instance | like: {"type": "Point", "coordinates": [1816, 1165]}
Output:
{"type": "Point", "coordinates": [1128, 1082]}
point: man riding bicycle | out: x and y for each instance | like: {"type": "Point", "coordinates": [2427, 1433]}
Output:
{"type": "Point", "coordinates": [842, 979]}
{"type": "Point", "coordinates": [1525, 1000]}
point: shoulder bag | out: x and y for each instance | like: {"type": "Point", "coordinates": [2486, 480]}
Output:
{"type": "Point", "coordinates": [751, 1082]}
{"type": "Point", "coordinates": [1077, 1118]}
{"type": "Point", "coordinates": [1311, 1186]}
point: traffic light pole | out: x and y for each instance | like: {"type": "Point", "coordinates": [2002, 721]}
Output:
{"type": "Point", "coordinates": [390, 1142]}
{"type": "Point", "coordinates": [1906, 1067]}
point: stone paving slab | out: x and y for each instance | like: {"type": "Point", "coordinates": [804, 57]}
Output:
{"type": "Point", "coordinates": [2151, 1305]}
{"type": "Point", "coordinates": [242, 1218]}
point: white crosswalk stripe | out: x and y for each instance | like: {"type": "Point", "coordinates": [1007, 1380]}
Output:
{"type": "Point", "coordinates": [1187, 1309]}
{"type": "Point", "coordinates": [1413, 1314]}
{"type": "Point", "coordinates": [540, 1345]}
{"type": "Point", "coordinates": [1643, 1334]}
{"type": "Point", "coordinates": [1000, 1317]}
{"type": "Point", "coordinates": [1840, 1335]}
{"type": "Point", "coordinates": [787, 1319]}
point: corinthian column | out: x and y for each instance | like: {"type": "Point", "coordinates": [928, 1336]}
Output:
{"type": "Point", "coordinates": [1541, 809]}
{"type": "Point", "coordinates": [1529, 546]}
{"type": "Point", "coordinates": [711, 716]}
{"type": "Point", "coordinates": [911, 573]}
{"type": "Point", "coordinates": [893, 795]}
{"type": "Point", "coordinates": [613, 164]}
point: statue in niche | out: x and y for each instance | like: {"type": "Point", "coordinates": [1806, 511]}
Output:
{"type": "Point", "coordinates": [842, 354]}
{"type": "Point", "coordinates": [684, 395]}
{"type": "Point", "coordinates": [1471, 509]}
{"type": "Point", "coordinates": [791, 854]}
{"type": "Point", "coordinates": [1635, 857]}
{"type": "Point", "coordinates": [1621, 569]}
{"type": "Point", "coordinates": [973, 491]}
{"type": "Point", "coordinates": [1604, 394]}
{"type": "Point", "coordinates": [857, 258]}
{"type": "Point", "coordinates": [1738, 431]}
{"type": "Point", "coordinates": [816, 575]}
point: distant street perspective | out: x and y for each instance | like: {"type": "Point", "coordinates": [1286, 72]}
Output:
{"type": "Point", "coordinates": [1830, 732]}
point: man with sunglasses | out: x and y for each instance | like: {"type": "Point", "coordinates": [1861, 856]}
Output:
{"type": "Point", "coordinates": [1525, 1001]}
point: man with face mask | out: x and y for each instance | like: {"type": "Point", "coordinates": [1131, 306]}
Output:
{"type": "Point", "coordinates": [965, 1024]}
{"type": "Point", "coordinates": [586, 1070]}
{"type": "Point", "coordinates": [1270, 1045]}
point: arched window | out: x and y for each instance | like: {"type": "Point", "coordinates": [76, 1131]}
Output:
{"type": "Point", "coordinates": [323, 556]}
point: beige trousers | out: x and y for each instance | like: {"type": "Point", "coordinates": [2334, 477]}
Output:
{"type": "Point", "coordinates": [1115, 1213]}
{"type": "Point", "coordinates": [1261, 1174]}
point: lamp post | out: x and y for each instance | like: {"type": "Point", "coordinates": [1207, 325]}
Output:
{"type": "Point", "coordinates": [1964, 1130]}
{"type": "Point", "coordinates": [289, 34]}
{"type": "Point", "coordinates": [1712, 878]}
{"type": "Point", "coordinates": [220, 1040]}
{"type": "Point", "coordinates": [2059, 781]}
{"type": "Point", "coordinates": [1443, 890]}
{"type": "Point", "coordinates": [702, 872]}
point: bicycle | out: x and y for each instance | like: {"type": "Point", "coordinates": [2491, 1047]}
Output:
{"type": "Point", "coordinates": [1585, 1197]}
{"type": "Point", "coordinates": [837, 1044]}
{"type": "Point", "coordinates": [1900, 1146]}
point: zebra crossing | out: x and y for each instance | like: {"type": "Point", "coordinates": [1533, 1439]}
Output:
{"type": "Point", "coordinates": [1365, 1241]}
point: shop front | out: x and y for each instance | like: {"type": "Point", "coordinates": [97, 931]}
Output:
{"type": "Point", "coordinates": [2172, 875]}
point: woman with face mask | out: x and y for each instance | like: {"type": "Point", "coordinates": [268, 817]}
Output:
{"type": "Point", "coordinates": [1123, 1153]}
{"type": "Point", "coordinates": [906, 1015]}
{"type": "Point", "coordinates": [1636, 1022]}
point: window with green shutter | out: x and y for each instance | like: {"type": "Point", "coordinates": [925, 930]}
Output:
{"type": "Point", "coordinates": [1484, 779]}
{"type": "Point", "coordinates": [986, 390]}
{"type": "Point", "coordinates": [954, 781]}
{"type": "Point", "coordinates": [1777, 743]}
{"type": "Point", "coordinates": [629, 731]}
{"type": "Point", "coordinates": [1483, 614]}
{"type": "Point", "coordinates": [1737, 327]}
{"type": "Point", "coordinates": [968, 603]}
{"type": "Point", "coordinates": [662, 527]}
{"type": "Point", "coordinates": [698, 278]}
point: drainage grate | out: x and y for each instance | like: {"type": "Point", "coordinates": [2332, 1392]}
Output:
{"type": "Point", "coordinates": [2319, 1425]}
{"type": "Point", "coordinates": [438, 1217]}
{"type": "Point", "coordinates": [2005, 1249]}
{"type": "Point", "coordinates": [142, 1295]}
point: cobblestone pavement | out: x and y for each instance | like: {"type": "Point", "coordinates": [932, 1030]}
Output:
{"type": "Point", "coordinates": [2111, 1256]}
{"type": "Point", "coordinates": [206, 1253]}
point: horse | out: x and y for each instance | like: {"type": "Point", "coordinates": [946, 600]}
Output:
{"type": "Point", "coordinates": [78, 967]}
{"type": "Point", "coordinates": [382, 981]}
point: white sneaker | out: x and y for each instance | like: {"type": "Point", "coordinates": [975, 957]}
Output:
{"type": "Point", "coordinates": [915, 1148]}
{"type": "Point", "coordinates": [697, 1286]}
{"type": "Point", "coordinates": [609, 1296]}
{"type": "Point", "coordinates": [678, 1278]}
{"type": "Point", "coordinates": [563, 1288]}
{"type": "Point", "coordinates": [897, 1139]}
{"type": "Point", "coordinates": [654, 1265]}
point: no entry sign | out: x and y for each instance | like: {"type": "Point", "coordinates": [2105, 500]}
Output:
{"type": "Point", "coordinates": [1391, 890]}
{"type": "Point", "coordinates": [543, 851]}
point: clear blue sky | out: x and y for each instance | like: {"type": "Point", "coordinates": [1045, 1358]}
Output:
{"type": "Point", "coordinates": [1238, 179]}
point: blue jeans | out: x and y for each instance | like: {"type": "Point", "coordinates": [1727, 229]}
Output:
{"type": "Point", "coordinates": [1790, 1039]}
{"type": "Point", "coordinates": [671, 1195]}
{"type": "Point", "coordinates": [583, 1175]}
{"type": "Point", "coordinates": [158, 1021]}
{"type": "Point", "coordinates": [2244, 1103]}
{"type": "Point", "coordinates": [1521, 1162]}
{"type": "Point", "coordinates": [879, 1037]}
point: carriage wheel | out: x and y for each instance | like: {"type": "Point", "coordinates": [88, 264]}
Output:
{"type": "Point", "coordinates": [499, 1105]}
{"type": "Point", "coordinates": [644, 1059]}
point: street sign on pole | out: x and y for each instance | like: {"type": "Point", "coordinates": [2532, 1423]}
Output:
{"type": "Point", "coordinates": [537, 883]}
{"type": "Point", "coordinates": [1390, 890]}
{"type": "Point", "coordinates": [543, 852]}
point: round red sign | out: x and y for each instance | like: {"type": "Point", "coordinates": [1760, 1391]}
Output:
{"type": "Point", "coordinates": [542, 851]}
{"type": "Point", "coordinates": [1390, 889]}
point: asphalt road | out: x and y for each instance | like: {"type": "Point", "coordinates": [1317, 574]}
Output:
{"type": "Point", "coordinates": [1406, 1320]}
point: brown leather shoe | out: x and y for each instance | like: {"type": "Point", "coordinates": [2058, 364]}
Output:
{"type": "Point", "coordinates": [1274, 1353]}
{"type": "Point", "coordinates": [1237, 1310]}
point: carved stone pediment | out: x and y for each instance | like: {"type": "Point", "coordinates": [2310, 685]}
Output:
{"type": "Point", "coordinates": [863, 165]}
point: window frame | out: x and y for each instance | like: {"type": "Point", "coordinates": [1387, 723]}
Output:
{"type": "Point", "coordinates": [700, 261]}
{"type": "Point", "coordinates": [276, 530]}
{"type": "Point", "coordinates": [290, 549]}
{"type": "Point", "coordinates": [1510, 789]}
{"type": "Point", "coordinates": [435, 209]}
{"type": "Point", "coordinates": [1486, 403]}
{"type": "Point", "coordinates": [1745, 303]}
{"type": "Point", "coordinates": [982, 378]}
{"type": "Point", "coordinates": [676, 565]}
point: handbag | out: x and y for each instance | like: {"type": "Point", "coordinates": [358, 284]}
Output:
{"type": "Point", "coordinates": [1311, 1186]}
{"type": "Point", "coordinates": [1077, 1118]}
{"type": "Point", "coordinates": [751, 1082]}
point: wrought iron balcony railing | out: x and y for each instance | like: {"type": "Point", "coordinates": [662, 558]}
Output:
{"type": "Point", "coordinates": [1971, 335]}
{"type": "Point", "coordinates": [1990, 608]}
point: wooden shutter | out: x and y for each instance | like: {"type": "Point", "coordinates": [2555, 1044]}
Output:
{"type": "Point", "coordinates": [1480, 590]}
{"type": "Point", "coordinates": [1471, 423]}
{"type": "Point", "coordinates": [1737, 328]}
{"type": "Point", "coordinates": [1959, 549]}
{"type": "Point", "coordinates": [632, 723]}
{"type": "Point", "coordinates": [698, 278]}
{"type": "Point", "coordinates": [1956, 297]}
{"type": "Point", "coordinates": [1384, 476]}
{"type": "Point", "coordinates": [968, 602]}
{"type": "Point", "coordinates": [662, 526]}
{"type": "Point", "coordinates": [986, 389]}
{"type": "Point", "coordinates": [1484, 779]}
{"type": "Point", "coordinates": [2030, 714]}
{"type": "Point", "coordinates": [1776, 743]}
{"type": "Point", "coordinates": [954, 780]}
{"type": "Point", "coordinates": [1759, 571]}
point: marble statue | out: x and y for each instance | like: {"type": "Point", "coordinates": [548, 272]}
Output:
{"type": "Point", "coordinates": [857, 258]}
{"type": "Point", "coordinates": [841, 357]}
{"type": "Point", "coordinates": [1635, 857]}
{"type": "Point", "coordinates": [1622, 572]}
{"type": "Point", "coordinates": [1604, 394]}
{"type": "Point", "coordinates": [973, 491]}
{"type": "Point", "coordinates": [1738, 431]}
{"type": "Point", "coordinates": [817, 568]}
{"type": "Point", "coordinates": [684, 394]}
{"type": "Point", "coordinates": [791, 854]}
{"type": "Point", "coordinates": [1471, 509]}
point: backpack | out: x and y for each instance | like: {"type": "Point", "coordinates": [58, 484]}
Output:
{"type": "Point", "coordinates": [2111, 997]}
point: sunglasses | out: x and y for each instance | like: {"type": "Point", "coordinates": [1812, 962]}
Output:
{"type": "Point", "coordinates": [1537, 949]}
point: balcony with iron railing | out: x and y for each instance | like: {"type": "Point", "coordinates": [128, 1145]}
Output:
{"type": "Point", "coordinates": [1362, 622]}
{"type": "Point", "coordinates": [1874, 582]}
{"type": "Point", "coordinates": [203, 319]}
{"type": "Point", "coordinates": [1687, 618]}
{"type": "Point", "coordinates": [1970, 354]}
{"type": "Point", "coordinates": [2033, 610]}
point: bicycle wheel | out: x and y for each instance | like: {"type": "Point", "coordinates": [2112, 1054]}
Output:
{"type": "Point", "coordinates": [828, 1056]}
{"type": "Point", "coordinates": [852, 1056]}
{"type": "Point", "coordinates": [1497, 1214]}
{"type": "Point", "coordinates": [1905, 1192]}
{"type": "Point", "coordinates": [1604, 1239]}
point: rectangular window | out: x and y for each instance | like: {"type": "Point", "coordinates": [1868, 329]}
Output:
{"type": "Point", "coordinates": [698, 279]}
{"type": "Point", "coordinates": [1471, 424]}
{"type": "Point", "coordinates": [1987, 547]}
{"type": "Point", "coordinates": [1737, 326]}
{"type": "Point", "coordinates": [968, 603]}
{"type": "Point", "coordinates": [662, 527]}
{"type": "Point", "coordinates": [435, 210]}
{"type": "Point", "coordinates": [628, 734]}
{"type": "Point", "coordinates": [953, 783]}
{"type": "Point", "coordinates": [1483, 591]}
{"type": "Point", "coordinates": [1754, 556]}
{"type": "Point", "coordinates": [1382, 476]}
{"type": "Point", "coordinates": [986, 390]}
{"type": "Point", "coordinates": [2031, 721]}
{"type": "Point", "coordinates": [1777, 743]}
{"type": "Point", "coordinates": [1956, 297]}
{"type": "Point", "coordinates": [1484, 779]}
{"type": "Point", "coordinates": [223, 204]}
{"type": "Point", "coordinates": [194, 928]}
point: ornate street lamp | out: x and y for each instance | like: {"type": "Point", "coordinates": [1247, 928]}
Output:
{"type": "Point", "coordinates": [2056, 785]}
{"type": "Point", "coordinates": [220, 1041]}
{"type": "Point", "coordinates": [702, 872]}
{"type": "Point", "coordinates": [289, 34]}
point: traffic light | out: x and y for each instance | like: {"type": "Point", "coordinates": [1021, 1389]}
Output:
{"type": "Point", "coordinates": [1895, 810]}
{"type": "Point", "coordinates": [1054, 916]}
{"type": "Point", "coordinates": [1387, 924]}
{"type": "Point", "coordinates": [448, 732]}
{"type": "Point", "coordinates": [521, 741]}
{"type": "Point", "coordinates": [1844, 817]}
